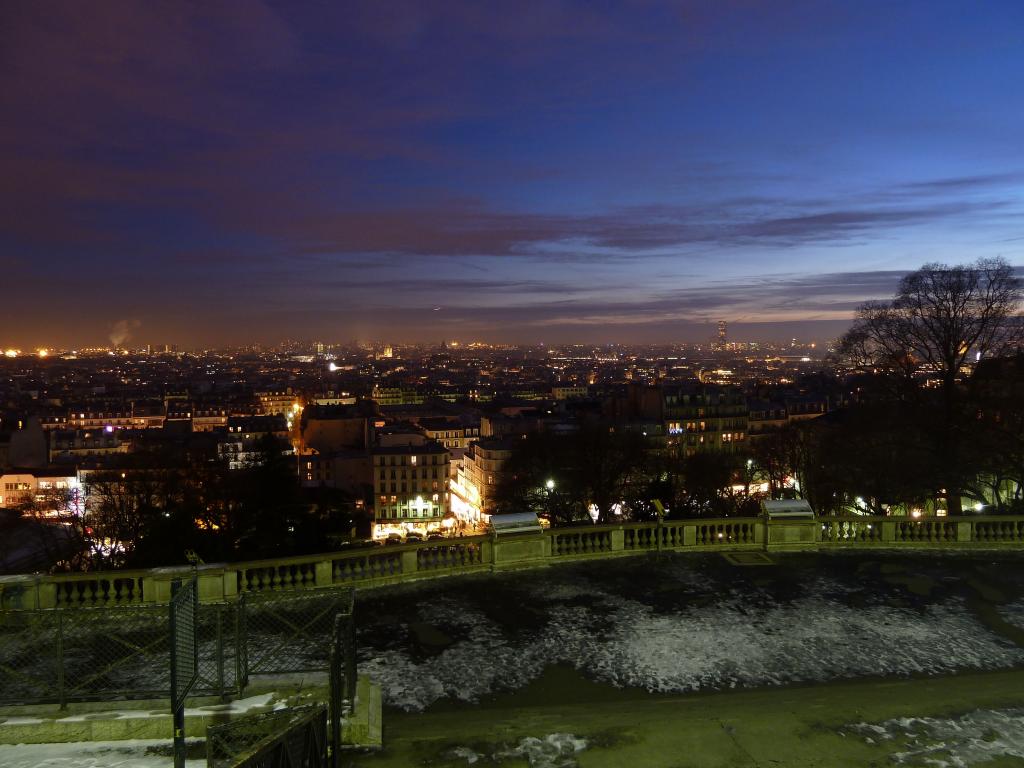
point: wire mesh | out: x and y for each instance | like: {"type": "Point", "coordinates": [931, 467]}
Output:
{"type": "Point", "coordinates": [83, 654]}
{"type": "Point", "coordinates": [292, 632]}
{"type": "Point", "coordinates": [30, 656]}
{"type": "Point", "coordinates": [292, 738]}
{"type": "Point", "coordinates": [184, 642]}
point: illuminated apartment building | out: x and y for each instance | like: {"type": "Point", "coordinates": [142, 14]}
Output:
{"type": "Point", "coordinates": [410, 488]}
{"type": "Point", "coordinates": [451, 433]}
{"type": "Point", "coordinates": [705, 418]}
{"type": "Point", "coordinates": [477, 480]}
{"type": "Point", "coordinates": [278, 402]}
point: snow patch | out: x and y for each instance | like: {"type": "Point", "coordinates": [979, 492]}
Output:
{"type": "Point", "coordinates": [975, 738]}
{"type": "Point", "coordinates": [742, 639]}
{"type": "Point", "coordinates": [1013, 613]}
{"type": "Point", "coordinates": [556, 750]}
{"type": "Point", "coordinates": [132, 753]}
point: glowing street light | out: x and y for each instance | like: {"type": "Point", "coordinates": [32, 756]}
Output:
{"type": "Point", "coordinates": [550, 485]}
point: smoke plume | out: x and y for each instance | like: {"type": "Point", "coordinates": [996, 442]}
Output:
{"type": "Point", "coordinates": [122, 331]}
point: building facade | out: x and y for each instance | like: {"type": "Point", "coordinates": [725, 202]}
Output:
{"type": "Point", "coordinates": [410, 488]}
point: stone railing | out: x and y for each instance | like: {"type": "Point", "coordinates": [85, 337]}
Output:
{"type": "Point", "coordinates": [378, 566]}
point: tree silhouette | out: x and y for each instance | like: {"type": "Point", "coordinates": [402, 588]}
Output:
{"type": "Point", "coordinates": [941, 320]}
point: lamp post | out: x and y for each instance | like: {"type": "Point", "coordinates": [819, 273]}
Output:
{"type": "Point", "coordinates": [549, 488]}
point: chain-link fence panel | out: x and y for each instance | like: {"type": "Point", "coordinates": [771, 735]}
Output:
{"type": "Point", "coordinates": [292, 632]}
{"type": "Point", "coordinates": [289, 738]}
{"type": "Point", "coordinates": [83, 654]}
{"type": "Point", "coordinates": [30, 657]}
{"type": "Point", "coordinates": [115, 653]}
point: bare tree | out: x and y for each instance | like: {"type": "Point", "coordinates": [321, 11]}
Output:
{"type": "Point", "coordinates": [942, 319]}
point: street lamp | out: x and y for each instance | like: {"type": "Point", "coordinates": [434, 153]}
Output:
{"type": "Point", "coordinates": [550, 485]}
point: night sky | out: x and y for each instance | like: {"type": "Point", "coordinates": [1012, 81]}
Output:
{"type": "Point", "coordinates": [228, 172]}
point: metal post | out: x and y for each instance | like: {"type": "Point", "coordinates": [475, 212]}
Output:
{"type": "Point", "coordinates": [61, 693]}
{"type": "Point", "coordinates": [179, 736]}
{"type": "Point", "coordinates": [177, 707]}
{"type": "Point", "coordinates": [335, 695]}
{"type": "Point", "coordinates": [220, 652]}
{"type": "Point", "coordinates": [183, 610]}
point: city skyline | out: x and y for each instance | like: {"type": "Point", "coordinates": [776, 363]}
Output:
{"type": "Point", "coordinates": [215, 175]}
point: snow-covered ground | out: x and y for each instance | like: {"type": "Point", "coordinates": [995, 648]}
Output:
{"type": "Point", "coordinates": [1013, 613]}
{"type": "Point", "coordinates": [556, 750]}
{"type": "Point", "coordinates": [137, 753]}
{"type": "Point", "coordinates": [700, 634]}
{"type": "Point", "coordinates": [973, 739]}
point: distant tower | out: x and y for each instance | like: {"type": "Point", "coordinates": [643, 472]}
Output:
{"type": "Point", "coordinates": [722, 332]}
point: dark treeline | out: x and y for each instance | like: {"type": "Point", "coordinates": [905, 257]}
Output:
{"type": "Point", "coordinates": [932, 418]}
{"type": "Point", "coordinates": [151, 510]}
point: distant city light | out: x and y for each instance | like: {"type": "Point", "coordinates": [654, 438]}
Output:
{"type": "Point", "coordinates": [550, 485]}
{"type": "Point", "coordinates": [10, 353]}
{"type": "Point", "coordinates": [332, 367]}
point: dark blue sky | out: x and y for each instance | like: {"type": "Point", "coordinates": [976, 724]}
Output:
{"type": "Point", "coordinates": [634, 171]}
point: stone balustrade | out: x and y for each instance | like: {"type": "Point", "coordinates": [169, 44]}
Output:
{"type": "Point", "coordinates": [378, 566]}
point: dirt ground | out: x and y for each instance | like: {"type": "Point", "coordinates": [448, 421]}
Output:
{"type": "Point", "coordinates": [795, 726]}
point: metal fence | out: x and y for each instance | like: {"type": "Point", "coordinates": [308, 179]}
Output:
{"type": "Point", "coordinates": [291, 631]}
{"type": "Point", "coordinates": [83, 654]}
{"type": "Point", "coordinates": [290, 738]}
{"type": "Point", "coordinates": [343, 678]}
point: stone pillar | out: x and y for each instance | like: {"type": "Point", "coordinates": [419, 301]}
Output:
{"type": "Point", "coordinates": [888, 531]}
{"type": "Point", "coordinates": [521, 550]}
{"type": "Point", "coordinates": [964, 532]}
{"type": "Point", "coordinates": [690, 535]}
{"type": "Point", "coordinates": [487, 552]}
{"type": "Point", "coordinates": [410, 562]}
{"type": "Point", "coordinates": [793, 534]}
{"type": "Point", "coordinates": [618, 539]}
{"type": "Point", "coordinates": [215, 582]}
{"type": "Point", "coordinates": [20, 592]}
{"type": "Point", "coordinates": [324, 573]}
{"type": "Point", "coordinates": [46, 594]}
